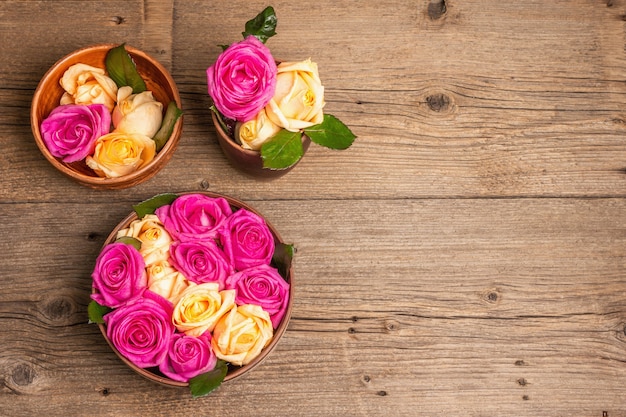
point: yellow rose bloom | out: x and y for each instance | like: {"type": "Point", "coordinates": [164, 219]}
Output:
{"type": "Point", "coordinates": [119, 154]}
{"type": "Point", "coordinates": [199, 307]}
{"type": "Point", "coordinates": [84, 84]}
{"type": "Point", "coordinates": [242, 334]}
{"type": "Point", "coordinates": [166, 281]}
{"type": "Point", "coordinates": [155, 240]}
{"type": "Point", "coordinates": [254, 133]}
{"type": "Point", "coordinates": [299, 97]}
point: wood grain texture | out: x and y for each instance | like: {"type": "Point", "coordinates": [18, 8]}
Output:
{"type": "Point", "coordinates": [466, 256]}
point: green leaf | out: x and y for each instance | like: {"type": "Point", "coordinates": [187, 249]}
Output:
{"type": "Point", "coordinates": [220, 119]}
{"type": "Point", "coordinates": [282, 258]}
{"type": "Point", "coordinates": [96, 311]}
{"type": "Point", "coordinates": [149, 206]}
{"type": "Point", "coordinates": [122, 69]}
{"type": "Point", "coordinates": [167, 126]}
{"type": "Point", "coordinates": [263, 26]}
{"type": "Point", "coordinates": [128, 240]}
{"type": "Point", "coordinates": [283, 150]}
{"type": "Point", "coordinates": [331, 133]}
{"type": "Point", "coordinates": [205, 383]}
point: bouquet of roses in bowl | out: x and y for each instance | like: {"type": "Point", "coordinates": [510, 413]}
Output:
{"type": "Point", "coordinates": [107, 116]}
{"type": "Point", "coordinates": [269, 109]}
{"type": "Point", "coordinates": [192, 289]}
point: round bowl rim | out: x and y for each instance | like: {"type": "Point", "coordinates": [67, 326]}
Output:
{"type": "Point", "coordinates": [136, 177]}
{"type": "Point", "coordinates": [278, 332]}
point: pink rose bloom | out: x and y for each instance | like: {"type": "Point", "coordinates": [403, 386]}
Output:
{"type": "Point", "coordinates": [262, 286]}
{"type": "Point", "coordinates": [247, 240]}
{"type": "Point", "coordinates": [141, 329]}
{"type": "Point", "coordinates": [200, 262]}
{"type": "Point", "coordinates": [119, 275]}
{"type": "Point", "coordinates": [243, 79]}
{"type": "Point", "coordinates": [70, 131]}
{"type": "Point", "coordinates": [188, 356]}
{"type": "Point", "coordinates": [194, 217]}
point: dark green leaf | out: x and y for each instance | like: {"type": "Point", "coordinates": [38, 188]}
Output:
{"type": "Point", "coordinates": [136, 243]}
{"type": "Point", "coordinates": [205, 383]}
{"type": "Point", "coordinates": [96, 311]}
{"type": "Point", "coordinates": [220, 118]}
{"type": "Point", "coordinates": [263, 26]}
{"type": "Point", "coordinates": [149, 206]}
{"type": "Point", "coordinates": [167, 126]}
{"type": "Point", "coordinates": [283, 255]}
{"type": "Point", "coordinates": [283, 150]}
{"type": "Point", "coordinates": [122, 69]}
{"type": "Point", "coordinates": [331, 133]}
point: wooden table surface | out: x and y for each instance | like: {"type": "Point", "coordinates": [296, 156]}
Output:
{"type": "Point", "coordinates": [466, 256]}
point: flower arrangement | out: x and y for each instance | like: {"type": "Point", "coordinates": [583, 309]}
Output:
{"type": "Point", "coordinates": [267, 106]}
{"type": "Point", "coordinates": [192, 287]}
{"type": "Point", "coordinates": [107, 118]}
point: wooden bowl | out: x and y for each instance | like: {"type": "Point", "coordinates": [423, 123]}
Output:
{"type": "Point", "coordinates": [233, 371]}
{"type": "Point", "coordinates": [49, 92]}
{"type": "Point", "coordinates": [247, 160]}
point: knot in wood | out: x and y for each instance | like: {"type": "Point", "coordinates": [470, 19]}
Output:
{"type": "Point", "coordinates": [23, 375]}
{"type": "Point", "coordinates": [491, 296]}
{"type": "Point", "coordinates": [92, 236]}
{"type": "Point", "coordinates": [58, 308]}
{"type": "Point", "coordinates": [436, 9]}
{"type": "Point", "coordinates": [438, 102]}
{"type": "Point", "coordinates": [391, 326]}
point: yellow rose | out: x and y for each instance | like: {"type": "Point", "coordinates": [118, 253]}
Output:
{"type": "Point", "coordinates": [84, 84]}
{"type": "Point", "coordinates": [242, 333]}
{"type": "Point", "coordinates": [199, 307]}
{"type": "Point", "coordinates": [166, 281]}
{"type": "Point", "coordinates": [155, 240]}
{"type": "Point", "coordinates": [137, 113]}
{"type": "Point", "coordinates": [119, 154]}
{"type": "Point", "coordinates": [299, 96]}
{"type": "Point", "coordinates": [254, 133]}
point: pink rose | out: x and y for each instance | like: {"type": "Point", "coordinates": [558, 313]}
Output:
{"type": "Point", "coordinates": [188, 356]}
{"type": "Point", "coordinates": [194, 217]}
{"type": "Point", "coordinates": [243, 79]}
{"type": "Point", "coordinates": [119, 275]}
{"type": "Point", "coordinates": [141, 329]}
{"type": "Point", "coordinates": [247, 240]}
{"type": "Point", "coordinates": [200, 262]}
{"type": "Point", "coordinates": [70, 131]}
{"type": "Point", "coordinates": [262, 286]}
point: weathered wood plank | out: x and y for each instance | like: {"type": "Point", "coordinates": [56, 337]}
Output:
{"type": "Point", "coordinates": [540, 117]}
{"type": "Point", "coordinates": [495, 306]}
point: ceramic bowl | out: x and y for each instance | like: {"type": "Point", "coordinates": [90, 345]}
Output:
{"type": "Point", "coordinates": [233, 371]}
{"type": "Point", "coordinates": [249, 161]}
{"type": "Point", "coordinates": [49, 92]}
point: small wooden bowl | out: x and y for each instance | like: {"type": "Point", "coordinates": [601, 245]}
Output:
{"type": "Point", "coordinates": [49, 92]}
{"type": "Point", "coordinates": [233, 371]}
{"type": "Point", "coordinates": [247, 160]}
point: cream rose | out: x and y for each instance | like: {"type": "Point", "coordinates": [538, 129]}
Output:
{"type": "Point", "coordinates": [119, 154]}
{"type": "Point", "coordinates": [166, 281]}
{"type": "Point", "coordinates": [241, 334]}
{"type": "Point", "coordinates": [199, 308]}
{"type": "Point", "coordinates": [137, 113]}
{"type": "Point", "coordinates": [254, 133]}
{"type": "Point", "coordinates": [155, 240]}
{"type": "Point", "coordinates": [84, 84]}
{"type": "Point", "coordinates": [299, 97]}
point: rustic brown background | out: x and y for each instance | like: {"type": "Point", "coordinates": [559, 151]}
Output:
{"type": "Point", "coordinates": [465, 257]}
